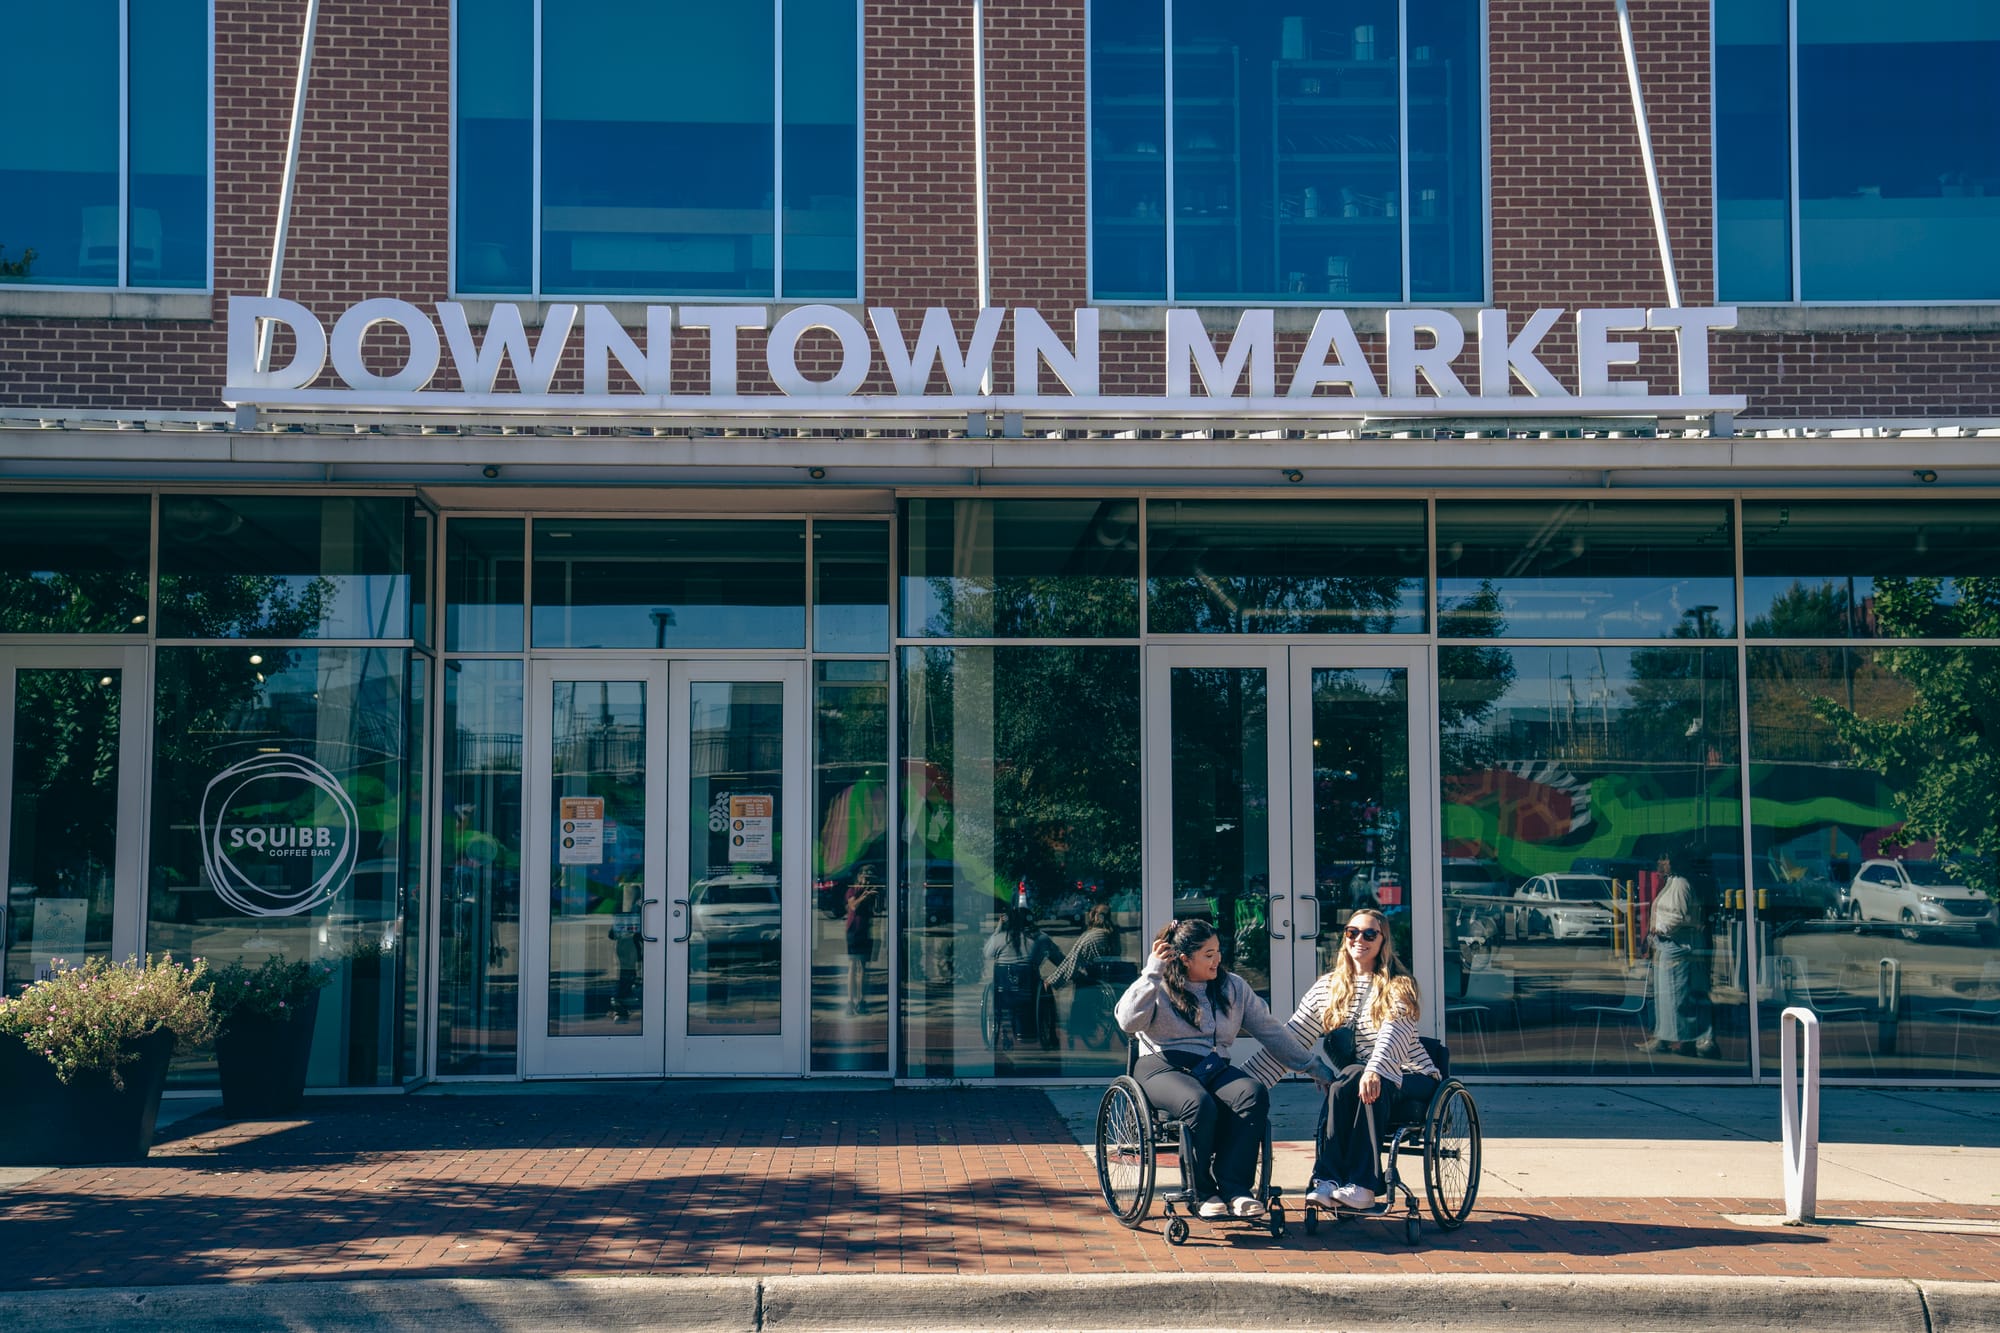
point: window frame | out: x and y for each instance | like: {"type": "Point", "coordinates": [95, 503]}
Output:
{"type": "Point", "coordinates": [776, 296]}
{"type": "Point", "coordinates": [11, 293]}
{"type": "Point", "coordinates": [1483, 93]}
{"type": "Point", "coordinates": [1793, 263]}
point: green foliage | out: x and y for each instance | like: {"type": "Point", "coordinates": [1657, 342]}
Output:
{"type": "Point", "coordinates": [88, 1018]}
{"type": "Point", "coordinates": [273, 989]}
{"type": "Point", "coordinates": [1938, 754]}
{"type": "Point", "coordinates": [16, 268]}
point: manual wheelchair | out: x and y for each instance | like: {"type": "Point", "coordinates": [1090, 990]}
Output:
{"type": "Point", "coordinates": [1445, 1129]}
{"type": "Point", "coordinates": [1132, 1135]}
{"type": "Point", "coordinates": [1017, 1009]}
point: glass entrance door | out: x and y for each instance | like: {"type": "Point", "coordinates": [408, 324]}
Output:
{"type": "Point", "coordinates": [70, 727]}
{"type": "Point", "coordinates": [1282, 801]}
{"type": "Point", "coordinates": [664, 922]}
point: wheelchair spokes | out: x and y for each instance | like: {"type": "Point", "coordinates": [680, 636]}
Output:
{"type": "Point", "coordinates": [1451, 1155]}
{"type": "Point", "coordinates": [1125, 1160]}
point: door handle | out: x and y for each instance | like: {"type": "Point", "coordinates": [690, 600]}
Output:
{"type": "Point", "coordinates": [1274, 897]}
{"type": "Point", "coordinates": [644, 903]}
{"type": "Point", "coordinates": [1303, 900]}
{"type": "Point", "coordinates": [683, 938]}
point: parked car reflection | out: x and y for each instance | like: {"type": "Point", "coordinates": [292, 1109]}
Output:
{"type": "Point", "coordinates": [737, 913]}
{"type": "Point", "coordinates": [1918, 895]}
{"type": "Point", "coordinates": [1564, 907]}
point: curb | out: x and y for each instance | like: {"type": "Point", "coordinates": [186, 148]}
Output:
{"type": "Point", "coordinates": [1444, 1302]}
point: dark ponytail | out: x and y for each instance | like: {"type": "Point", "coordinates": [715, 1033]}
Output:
{"type": "Point", "coordinates": [1184, 937]}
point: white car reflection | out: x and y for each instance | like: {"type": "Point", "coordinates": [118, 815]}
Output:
{"type": "Point", "coordinates": [739, 912]}
{"type": "Point", "coordinates": [1565, 907]}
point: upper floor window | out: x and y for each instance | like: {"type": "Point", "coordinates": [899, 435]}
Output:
{"type": "Point", "coordinates": [658, 148]}
{"type": "Point", "coordinates": [1857, 154]}
{"type": "Point", "coordinates": [1317, 151]}
{"type": "Point", "coordinates": [104, 165]}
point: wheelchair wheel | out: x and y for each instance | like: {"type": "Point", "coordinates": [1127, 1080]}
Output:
{"type": "Point", "coordinates": [1125, 1163]}
{"type": "Point", "coordinates": [1451, 1154]}
{"type": "Point", "coordinates": [1177, 1232]}
{"type": "Point", "coordinates": [989, 1021]}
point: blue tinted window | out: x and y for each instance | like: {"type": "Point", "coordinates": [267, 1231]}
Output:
{"type": "Point", "coordinates": [59, 157]}
{"type": "Point", "coordinates": [496, 145]}
{"type": "Point", "coordinates": [1287, 172]}
{"type": "Point", "coordinates": [1128, 158]}
{"type": "Point", "coordinates": [822, 149]}
{"type": "Point", "coordinates": [1753, 196]}
{"type": "Point", "coordinates": [675, 141]}
{"type": "Point", "coordinates": [1899, 196]}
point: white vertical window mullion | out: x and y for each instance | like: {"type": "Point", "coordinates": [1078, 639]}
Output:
{"type": "Point", "coordinates": [1403, 132]}
{"type": "Point", "coordinates": [124, 142]}
{"type": "Point", "coordinates": [1167, 137]}
{"type": "Point", "coordinates": [1792, 139]}
{"type": "Point", "coordinates": [535, 186]}
{"type": "Point", "coordinates": [778, 149]}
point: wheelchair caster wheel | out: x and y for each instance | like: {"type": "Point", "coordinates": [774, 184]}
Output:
{"type": "Point", "coordinates": [1312, 1222]}
{"type": "Point", "coordinates": [1177, 1232]}
{"type": "Point", "coordinates": [1277, 1226]}
{"type": "Point", "coordinates": [1412, 1230]}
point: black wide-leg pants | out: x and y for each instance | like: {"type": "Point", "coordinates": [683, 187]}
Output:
{"type": "Point", "coordinates": [1225, 1124]}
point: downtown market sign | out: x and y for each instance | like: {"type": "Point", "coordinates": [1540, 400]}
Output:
{"type": "Point", "coordinates": [1331, 377]}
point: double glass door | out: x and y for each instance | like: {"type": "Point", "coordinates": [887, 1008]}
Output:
{"type": "Point", "coordinates": [72, 768]}
{"type": "Point", "coordinates": [1284, 797]}
{"type": "Point", "coordinates": [665, 914]}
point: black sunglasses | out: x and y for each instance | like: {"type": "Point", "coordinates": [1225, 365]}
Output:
{"type": "Point", "coordinates": [1363, 933]}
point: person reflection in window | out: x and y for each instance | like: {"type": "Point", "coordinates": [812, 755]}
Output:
{"type": "Point", "coordinates": [1086, 968]}
{"type": "Point", "coordinates": [1014, 954]}
{"type": "Point", "coordinates": [864, 897]}
{"type": "Point", "coordinates": [1680, 969]}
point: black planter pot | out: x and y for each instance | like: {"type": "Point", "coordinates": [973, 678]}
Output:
{"type": "Point", "coordinates": [52, 1123]}
{"type": "Point", "coordinates": [262, 1062]}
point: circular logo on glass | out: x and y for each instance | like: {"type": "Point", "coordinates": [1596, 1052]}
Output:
{"type": "Point", "coordinates": [279, 835]}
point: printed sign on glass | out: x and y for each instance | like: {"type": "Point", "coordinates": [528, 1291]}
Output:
{"type": "Point", "coordinates": [279, 835]}
{"type": "Point", "coordinates": [580, 831]}
{"type": "Point", "coordinates": [750, 824]}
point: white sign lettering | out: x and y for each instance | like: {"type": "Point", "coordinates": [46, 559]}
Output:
{"type": "Point", "coordinates": [1423, 352]}
{"type": "Point", "coordinates": [263, 866]}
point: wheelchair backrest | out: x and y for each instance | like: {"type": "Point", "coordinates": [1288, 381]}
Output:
{"type": "Point", "coordinates": [1017, 979]}
{"type": "Point", "coordinates": [1439, 1054]}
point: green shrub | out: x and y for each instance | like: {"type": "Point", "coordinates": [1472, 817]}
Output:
{"type": "Point", "coordinates": [273, 989]}
{"type": "Point", "coordinates": [90, 1018]}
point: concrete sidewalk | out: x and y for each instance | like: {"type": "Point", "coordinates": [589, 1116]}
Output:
{"type": "Point", "coordinates": [1634, 1217]}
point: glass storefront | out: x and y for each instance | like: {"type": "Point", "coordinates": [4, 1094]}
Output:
{"type": "Point", "coordinates": [699, 795]}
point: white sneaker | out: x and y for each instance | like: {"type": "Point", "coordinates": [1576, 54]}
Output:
{"type": "Point", "coordinates": [1243, 1205]}
{"type": "Point", "coordinates": [1357, 1197]}
{"type": "Point", "coordinates": [1213, 1208]}
{"type": "Point", "coordinates": [1321, 1195]}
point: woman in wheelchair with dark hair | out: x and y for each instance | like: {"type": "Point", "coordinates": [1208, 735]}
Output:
{"type": "Point", "coordinates": [1184, 1012]}
{"type": "Point", "coordinates": [1370, 997]}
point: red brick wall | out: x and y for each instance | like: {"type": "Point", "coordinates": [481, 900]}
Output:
{"type": "Point", "coordinates": [1570, 219]}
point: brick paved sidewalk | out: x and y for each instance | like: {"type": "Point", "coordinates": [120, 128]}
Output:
{"type": "Point", "coordinates": [666, 1181]}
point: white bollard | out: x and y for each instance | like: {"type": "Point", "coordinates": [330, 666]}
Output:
{"type": "Point", "coordinates": [1800, 1107]}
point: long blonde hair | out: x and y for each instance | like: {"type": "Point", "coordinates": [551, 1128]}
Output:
{"type": "Point", "coordinates": [1394, 987]}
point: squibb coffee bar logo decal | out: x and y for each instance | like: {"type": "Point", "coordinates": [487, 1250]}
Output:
{"type": "Point", "coordinates": [1423, 352]}
{"type": "Point", "coordinates": [265, 861]}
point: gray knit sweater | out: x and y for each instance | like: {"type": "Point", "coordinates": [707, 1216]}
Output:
{"type": "Point", "coordinates": [1147, 1014]}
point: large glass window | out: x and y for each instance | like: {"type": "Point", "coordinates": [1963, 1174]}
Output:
{"type": "Point", "coordinates": [485, 565]}
{"type": "Point", "coordinates": [1278, 151]}
{"type": "Point", "coordinates": [479, 917]}
{"type": "Point", "coordinates": [1568, 773]}
{"type": "Point", "coordinates": [1864, 569]}
{"type": "Point", "coordinates": [852, 946]}
{"type": "Point", "coordinates": [283, 567]}
{"type": "Point", "coordinates": [641, 583]}
{"type": "Point", "coordinates": [1896, 199]}
{"type": "Point", "coordinates": [279, 778]}
{"type": "Point", "coordinates": [1020, 858]}
{"type": "Point", "coordinates": [850, 587]}
{"type": "Point", "coordinates": [104, 169]}
{"type": "Point", "coordinates": [684, 149]}
{"type": "Point", "coordinates": [1585, 569]}
{"type": "Point", "coordinates": [1284, 567]}
{"type": "Point", "coordinates": [74, 564]}
{"type": "Point", "coordinates": [1020, 568]}
{"type": "Point", "coordinates": [1873, 781]}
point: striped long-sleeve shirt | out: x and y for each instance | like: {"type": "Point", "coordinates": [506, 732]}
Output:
{"type": "Point", "coordinates": [1391, 1051]}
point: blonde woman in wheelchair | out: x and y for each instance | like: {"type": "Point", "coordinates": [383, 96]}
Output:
{"type": "Point", "coordinates": [1372, 998]}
